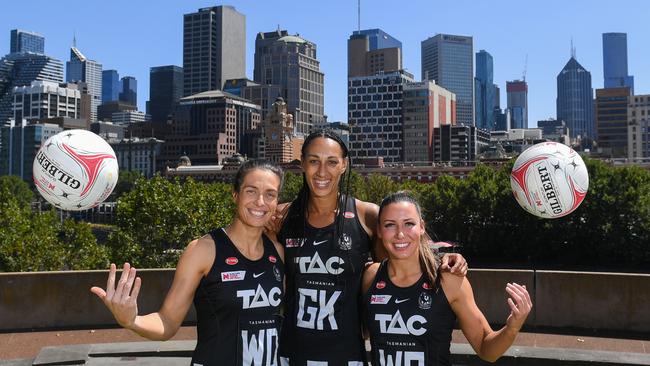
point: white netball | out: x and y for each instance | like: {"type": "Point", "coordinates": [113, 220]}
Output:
{"type": "Point", "coordinates": [75, 170]}
{"type": "Point", "coordinates": [549, 180]}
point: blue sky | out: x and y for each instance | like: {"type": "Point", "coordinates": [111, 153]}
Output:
{"type": "Point", "coordinates": [132, 36]}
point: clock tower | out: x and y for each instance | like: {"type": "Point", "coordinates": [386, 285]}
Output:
{"type": "Point", "coordinates": [279, 134]}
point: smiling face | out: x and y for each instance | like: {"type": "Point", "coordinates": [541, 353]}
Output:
{"type": "Point", "coordinates": [323, 164]}
{"type": "Point", "coordinates": [400, 230]}
{"type": "Point", "coordinates": [257, 198]}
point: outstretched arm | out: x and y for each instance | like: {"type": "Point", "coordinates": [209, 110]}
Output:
{"type": "Point", "coordinates": [121, 300]}
{"type": "Point", "coordinates": [487, 343]}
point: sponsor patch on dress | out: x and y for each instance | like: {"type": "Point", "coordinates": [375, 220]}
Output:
{"type": "Point", "coordinates": [232, 261]}
{"type": "Point", "coordinates": [233, 276]}
{"type": "Point", "coordinates": [380, 285]}
{"type": "Point", "coordinates": [294, 242]}
{"type": "Point", "coordinates": [380, 299]}
{"type": "Point", "coordinates": [348, 215]}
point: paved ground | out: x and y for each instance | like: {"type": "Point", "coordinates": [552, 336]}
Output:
{"type": "Point", "coordinates": [28, 344]}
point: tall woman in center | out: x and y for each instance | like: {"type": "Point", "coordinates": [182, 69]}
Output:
{"type": "Point", "coordinates": [327, 239]}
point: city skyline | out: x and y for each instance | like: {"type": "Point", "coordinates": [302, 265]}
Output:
{"type": "Point", "coordinates": [544, 32]}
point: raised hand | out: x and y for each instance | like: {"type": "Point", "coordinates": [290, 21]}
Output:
{"type": "Point", "coordinates": [121, 300]}
{"type": "Point", "coordinates": [454, 263]}
{"type": "Point", "coordinates": [520, 305]}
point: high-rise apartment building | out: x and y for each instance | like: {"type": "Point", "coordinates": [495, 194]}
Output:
{"type": "Point", "coordinates": [373, 51]}
{"type": "Point", "coordinates": [129, 93]}
{"type": "Point", "coordinates": [638, 120]}
{"type": "Point", "coordinates": [375, 116]}
{"type": "Point", "coordinates": [291, 62]}
{"type": "Point", "coordinates": [425, 107]}
{"type": "Point", "coordinates": [165, 90]}
{"type": "Point", "coordinates": [111, 86]}
{"type": "Point", "coordinates": [214, 48]}
{"type": "Point", "coordinates": [80, 68]}
{"type": "Point", "coordinates": [517, 93]}
{"type": "Point", "coordinates": [20, 69]}
{"type": "Point", "coordinates": [612, 121]}
{"type": "Point", "coordinates": [615, 61]}
{"type": "Point", "coordinates": [485, 91]}
{"type": "Point", "coordinates": [575, 101]}
{"type": "Point", "coordinates": [24, 41]}
{"type": "Point", "coordinates": [449, 60]}
{"type": "Point", "coordinates": [45, 99]}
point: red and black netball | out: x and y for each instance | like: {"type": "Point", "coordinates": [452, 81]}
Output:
{"type": "Point", "coordinates": [549, 180]}
{"type": "Point", "coordinates": [75, 170]}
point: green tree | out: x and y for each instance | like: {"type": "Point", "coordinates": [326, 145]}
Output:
{"type": "Point", "coordinates": [125, 183]}
{"type": "Point", "coordinates": [157, 219]}
{"type": "Point", "coordinates": [81, 247]}
{"type": "Point", "coordinates": [291, 186]}
{"type": "Point", "coordinates": [377, 187]}
{"type": "Point", "coordinates": [17, 188]}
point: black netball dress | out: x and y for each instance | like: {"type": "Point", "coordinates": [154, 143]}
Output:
{"type": "Point", "coordinates": [237, 307]}
{"type": "Point", "coordinates": [322, 323]}
{"type": "Point", "coordinates": [408, 325]}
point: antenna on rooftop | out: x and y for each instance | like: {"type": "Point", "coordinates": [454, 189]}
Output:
{"type": "Point", "coordinates": [74, 39]}
{"type": "Point", "coordinates": [525, 68]}
{"type": "Point", "coordinates": [573, 49]}
{"type": "Point", "coordinates": [359, 15]}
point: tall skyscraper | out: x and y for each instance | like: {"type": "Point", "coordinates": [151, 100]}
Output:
{"type": "Point", "coordinates": [24, 41]}
{"type": "Point", "coordinates": [263, 42]}
{"type": "Point", "coordinates": [615, 61]}
{"type": "Point", "coordinates": [485, 92]}
{"type": "Point", "coordinates": [449, 60]}
{"type": "Point", "coordinates": [291, 62]}
{"type": "Point", "coordinates": [20, 69]}
{"type": "Point", "coordinates": [214, 48]}
{"type": "Point", "coordinates": [373, 51]}
{"type": "Point", "coordinates": [575, 101]}
{"type": "Point", "coordinates": [111, 86]}
{"type": "Point", "coordinates": [165, 89]}
{"type": "Point", "coordinates": [375, 116]}
{"type": "Point", "coordinates": [79, 68]}
{"type": "Point", "coordinates": [129, 93]}
{"type": "Point", "coordinates": [517, 92]}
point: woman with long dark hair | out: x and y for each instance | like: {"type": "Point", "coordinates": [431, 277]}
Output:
{"type": "Point", "coordinates": [411, 307]}
{"type": "Point", "coordinates": [234, 276]}
{"type": "Point", "coordinates": [328, 239]}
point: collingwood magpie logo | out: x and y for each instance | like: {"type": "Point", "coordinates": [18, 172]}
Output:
{"type": "Point", "coordinates": [424, 301]}
{"type": "Point", "coordinates": [276, 273]}
{"type": "Point", "coordinates": [345, 242]}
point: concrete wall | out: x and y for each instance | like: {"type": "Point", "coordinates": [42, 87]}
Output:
{"type": "Point", "coordinates": [581, 300]}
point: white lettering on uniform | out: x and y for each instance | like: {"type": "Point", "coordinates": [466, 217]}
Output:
{"type": "Point", "coordinates": [394, 324]}
{"type": "Point", "coordinates": [259, 297]}
{"type": "Point", "coordinates": [334, 265]}
{"type": "Point", "coordinates": [255, 348]}
{"type": "Point", "coordinates": [401, 358]}
{"type": "Point", "coordinates": [316, 315]}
